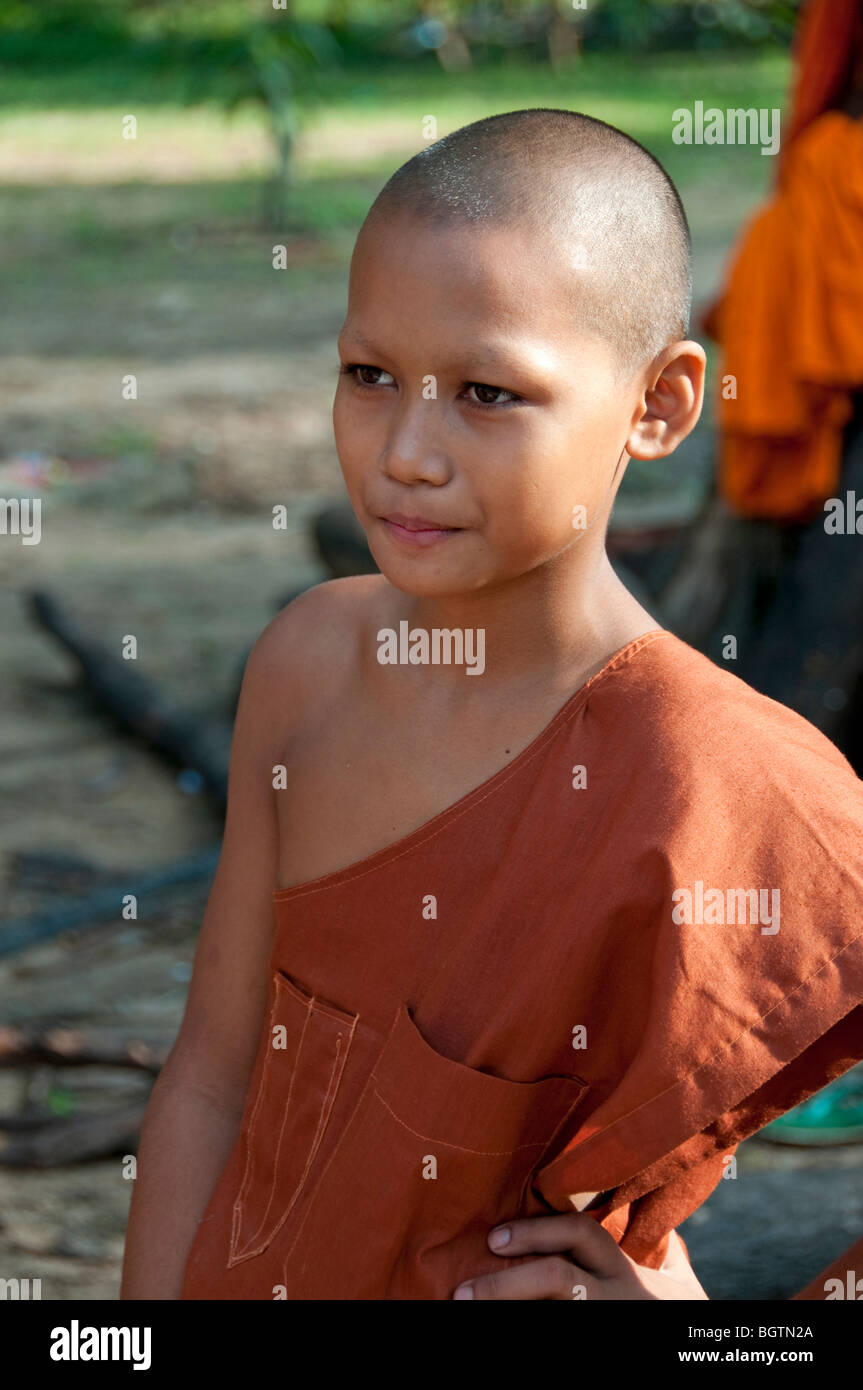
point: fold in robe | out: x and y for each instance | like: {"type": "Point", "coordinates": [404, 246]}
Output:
{"type": "Point", "coordinates": [499, 1012]}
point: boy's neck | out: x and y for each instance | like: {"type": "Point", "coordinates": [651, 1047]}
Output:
{"type": "Point", "coordinates": [539, 628]}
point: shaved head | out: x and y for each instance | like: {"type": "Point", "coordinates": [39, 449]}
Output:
{"type": "Point", "coordinates": [591, 196]}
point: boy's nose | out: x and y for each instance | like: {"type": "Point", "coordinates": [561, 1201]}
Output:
{"type": "Point", "coordinates": [413, 451]}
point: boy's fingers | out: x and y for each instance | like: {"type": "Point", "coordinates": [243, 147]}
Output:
{"type": "Point", "coordinates": [578, 1234]}
{"type": "Point", "coordinates": [552, 1277]}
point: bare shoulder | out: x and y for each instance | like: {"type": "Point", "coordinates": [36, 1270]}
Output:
{"type": "Point", "coordinates": [311, 646]}
{"type": "Point", "coordinates": [321, 622]}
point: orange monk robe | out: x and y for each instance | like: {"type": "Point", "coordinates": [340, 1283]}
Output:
{"type": "Point", "coordinates": [790, 323]}
{"type": "Point", "coordinates": [840, 1280]}
{"type": "Point", "coordinates": [827, 44]}
{"type": "Point", "coordinates": [790, 318]}
{"type": "Point", "coordinates": [512, 1008]}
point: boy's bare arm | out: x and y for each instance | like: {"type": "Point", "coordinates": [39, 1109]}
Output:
{"type": "Point", "coordinates": [195, 1109]}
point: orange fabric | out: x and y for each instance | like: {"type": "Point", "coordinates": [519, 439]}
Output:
{"type": "Point", "coordinates": [847, 1269]}
{"type": "Point", "coordinates": [827, 40]}
{"type": "Point", "coordinates": [790, 323]}
{"type": "Point", "coordinates": [426, 1082]}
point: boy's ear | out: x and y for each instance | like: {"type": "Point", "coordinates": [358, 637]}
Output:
{"type": "Point", "coordinates": [671, 401]}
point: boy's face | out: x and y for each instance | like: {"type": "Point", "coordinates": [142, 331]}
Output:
{"type": "Point", "coordinates": [475, 403]}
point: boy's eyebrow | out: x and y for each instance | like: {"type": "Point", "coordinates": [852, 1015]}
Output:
{"type": "Point", "coordinates": [360, 342]}
{"type": "Point", "coordinates": [524, 358]}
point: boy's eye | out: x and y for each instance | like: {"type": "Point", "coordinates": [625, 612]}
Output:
{"type": "Point", "coordinates": [485, 395]}
{"type": "Point", "coordinates": [490, 395]}
{"type": "Point", "coordinates": [367, 376]}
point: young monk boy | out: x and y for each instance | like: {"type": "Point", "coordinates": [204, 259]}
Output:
{"type": "Point", "coordinates": [524, 907]}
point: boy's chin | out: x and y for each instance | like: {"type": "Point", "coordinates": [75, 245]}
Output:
{"type": "Point", "coordinates": [410, 580]}
{"type": "Point", "coordinates": [412, 577]}
{"type": "Point", "coordinates": [423, 578]}
{"type": "Point", "coordinates": [419, 574]}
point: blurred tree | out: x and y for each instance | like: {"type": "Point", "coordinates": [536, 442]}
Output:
{"type": "Point", "coordinates": [274, 61]}
{"type": "Point", "coordinates": [281, 63]}
{"type": "Point", "coordinates": [439, 27]}
{"type": "Point", "coordinates": [562, 32]}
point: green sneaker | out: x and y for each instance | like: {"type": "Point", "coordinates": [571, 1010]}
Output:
{"type": "Point", "coordinates": [831, 1116]}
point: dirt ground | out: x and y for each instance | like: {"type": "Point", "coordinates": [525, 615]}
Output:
{"type": "Point", "coordinates": [84, 805]}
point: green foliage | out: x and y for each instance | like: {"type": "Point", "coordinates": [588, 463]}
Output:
{"type": "Point", "coordinates": [687, 24]}
{"type": "Point", "coordinates": [59, 31]}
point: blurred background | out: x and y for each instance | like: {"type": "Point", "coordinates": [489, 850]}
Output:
{"type": "Point", "coordinates": [181, 187]}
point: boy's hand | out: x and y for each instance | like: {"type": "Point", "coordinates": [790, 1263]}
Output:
{"type": "Point", "coordinates": [581, 1261]}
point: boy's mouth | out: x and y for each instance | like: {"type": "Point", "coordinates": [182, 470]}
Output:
{"type": "Point", "coordinates": [417, 530]}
